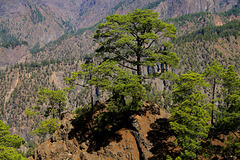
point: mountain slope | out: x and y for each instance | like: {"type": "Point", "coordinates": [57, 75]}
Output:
{"type": "Point", "coordinates": [47, 66]}
{"type": "Point", "coordinates": [200, 48]}
{"type": "Point", "coordinates": [32, 24]}
{"type": "Point", "coordinates": [175, 8]}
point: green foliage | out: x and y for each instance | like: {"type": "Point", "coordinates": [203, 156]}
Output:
{"type": "Point", "coordinates": [233, 147]}
{"type": "Point", "coordinates": [3, 129]}
{"type": "Point", "coordinates": [36, 16]}
{"type": "Point", "coordinates": [169, 157]}
{"type": "Point", "coordinates": [9, 153]}
{"type": "Point", "coordinates": [8, 40]}
{"type": "Point", "coordinates": [230, 119]}
{"type": "Point", "coordinates": [190, 22]}
{"type": "Point", "coordinates": [8, 143]}
{"type": "Point", "coordinates": [133, 39]}
{"type": "Point", "coordinates": [234, 11]}
{"type": "Point", "coordinates": [56, 99]}
{"type": "Point", "coordinates": [212, 33]}
{"type": "Point", "coordinates": [231, 84]}
{"type": "Point", "coordinates": [188, 84]}
{"type": "Point", "coordinates": [9, 140]}
{"type": "Point", "coordinates": [123, 85]}
{"type": "Point", "coordinates": [214, 75]}
{"type": "Point", "coordinates": [47, 126]}
{"type": "Point", "coordinates": [231, 81]}
{"type": "Point", "coordinates": [31, 145]}
{"type": "Point", "coordinates": [82, 111]}
{"type": "Point", "coordinates": [85, 74]}
{"type": "Point", "coordinates": [190, 114]}
{"type": "Point", "coordinates": [228, 123]}
{"type": "Point", "coordinates": [228, 110]}
{"type": "Point", "coordinates": [169, 76]}
{"type": "Point", "coordinates": [153, 4]}
{"type": "Point", "coordinates": [31, 113]}
{"type": "Point", "coordinates": [36, 48]}
{"type": "Point", "coordinates": [125, 93]}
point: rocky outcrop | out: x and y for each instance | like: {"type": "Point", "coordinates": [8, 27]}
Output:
{"type": "Point", "coordinates": [135, 139]}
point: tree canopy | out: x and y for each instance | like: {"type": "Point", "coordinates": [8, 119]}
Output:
{"type": "Point", "coordinates": [190, 114]}
{"type": "Point", "coordinates": [214, 74]}
{"type": "Point", "coordinates": [123, 86]}
{"type": "Point", "coordinates": [57, 100]}
{"type": "Point", "coordinates": [138, 38]}
{"type": "Point", "coordinates": [8, 143]}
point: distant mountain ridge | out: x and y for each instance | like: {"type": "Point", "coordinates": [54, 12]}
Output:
{"type": "Point", "coordinates": [38, 22]}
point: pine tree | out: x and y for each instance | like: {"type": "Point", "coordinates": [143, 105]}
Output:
{"type": "Point", "coordinates": [8, 143]}
{"type": "Point", "coordinates": [85, 74]}
{"type": "Point", "coordinates": [122, 85]}
{"type": "Point", "coordinates": [56, 99]}
{"type": "Point", "coordinates": [138, 38]}
{"type": "Point", "coordinates": [214, 75]}
{"type": "Point", "coordinates": [189, 114]}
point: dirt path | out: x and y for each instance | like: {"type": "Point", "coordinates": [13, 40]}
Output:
{"type": "Point", "coordinates": [8, 95]}
{"type": "Point", "coordinates": [57, 79]}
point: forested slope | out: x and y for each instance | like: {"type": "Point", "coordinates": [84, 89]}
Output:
{"type": "Point", "coordinates": [199, 48]}
{"type": "Point", "coordinates": [204, 105]}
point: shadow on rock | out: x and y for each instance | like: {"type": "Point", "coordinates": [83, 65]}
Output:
{"type": "Point", "coordinates": [96, 128]}
{"type": "Point", "coordinates": [162, 139]}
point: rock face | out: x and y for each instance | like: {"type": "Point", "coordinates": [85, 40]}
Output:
{"type": "Point", "coordinates": [136, 139]}
{"type": "Point", "coordinates": [9, 55]}
{"type": "Point", "coordinates": [176, 8]}
{"type": "Point", "coordinates": [39, 22]}
{"type": "Point", "coordinates": [46, 20]}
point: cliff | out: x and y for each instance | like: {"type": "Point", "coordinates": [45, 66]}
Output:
{"type": "Point", "coordinates": [176, 8]}
{"type": "Point", "coordinates": [143, 135]}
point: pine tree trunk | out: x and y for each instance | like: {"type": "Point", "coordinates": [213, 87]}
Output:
{"type": "Point", "coordinates": [213, 97]}
{"type": "Point", "coordinates": [139, 68]}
